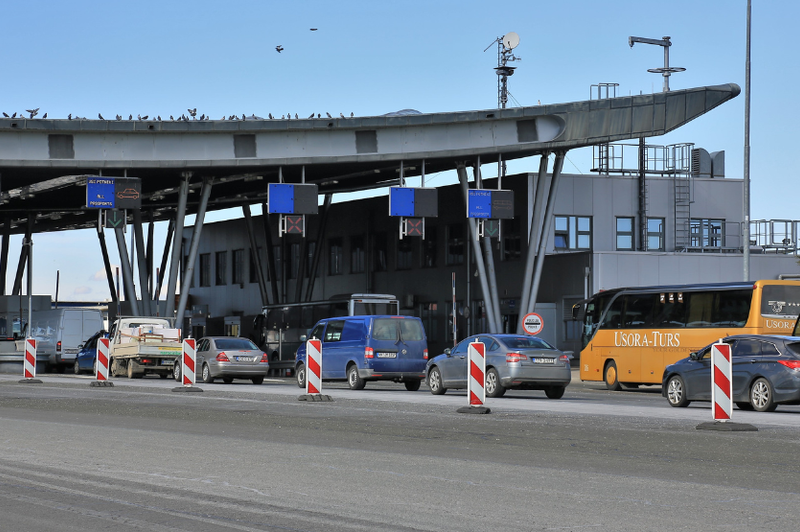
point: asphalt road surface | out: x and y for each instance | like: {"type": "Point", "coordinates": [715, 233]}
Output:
{"type": "Point", "coordinates": [139, 456]}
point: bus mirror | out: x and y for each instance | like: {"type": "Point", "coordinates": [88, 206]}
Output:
{"type": "Point", "coordinates": [578, 311]}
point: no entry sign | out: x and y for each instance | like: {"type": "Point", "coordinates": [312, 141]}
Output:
{"type": "Point", "coordinates": [532, 323]}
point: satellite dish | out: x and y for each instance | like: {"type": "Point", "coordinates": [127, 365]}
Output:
{"type": "Point", "coordinates": [510, 40]}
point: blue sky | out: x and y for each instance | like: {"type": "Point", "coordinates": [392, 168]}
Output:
{"type": "Point", "coordinates": [159, 58]}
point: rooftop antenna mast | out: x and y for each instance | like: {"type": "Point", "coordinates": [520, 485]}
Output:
{"type": "Point", "coordinates": [505, 55]}
{"type": "Point", "coordinates": [666, 70]}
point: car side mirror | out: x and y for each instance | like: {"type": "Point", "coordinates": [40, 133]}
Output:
{"type": "Point", "coordinates": [447, 351]}
{"type": "Point", "coordinates": [303, 337]}
{"type": "Point", "coordinates": [693, 355]}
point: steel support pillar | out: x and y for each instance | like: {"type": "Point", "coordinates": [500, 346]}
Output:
{"type": "Point", "coordinates": [150, 269]}
{"type": "Point", "coordinates": [534, 236]}
{"type": "Point", "coordinates": [107, 265]}
{"type": "Point", "coordinates": [127, 273]}
{"type": "Point", "coordinates": [205, 193]}
{"type": "Point", "coordinates": [172, 283]}
{"type": "Point", "coordinates": [558, 165]}
{"type": "Point", "coordinates": [256, 258]}
{"type": "Point", "coordinates": [141, 261]}
{"type": "Point", "coordinates": [323, 224]}
{"type": "Point", "coordinates": [273, 276]}
{"type": "Point", "coordinates": [476, 246]}
{"type": "Point", "coordinates": [164, 256]}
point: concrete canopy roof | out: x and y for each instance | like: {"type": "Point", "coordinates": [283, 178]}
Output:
{"type": "Point", "coordinates": [44, 163]}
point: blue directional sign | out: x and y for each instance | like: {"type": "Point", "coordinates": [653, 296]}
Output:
{"type": "Point", "coordinates": [494, 204]}
{"type": "Point", "coordinates": [100, 193]}
{"type": "Point", "coordinates": [284, 198]}
{"type": "Point", "coordinates": [414, 202]}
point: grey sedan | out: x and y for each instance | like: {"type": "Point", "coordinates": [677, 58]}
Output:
{"type": "Point", "coordinates": [228, 358]}
{"type": "Point", "coordinates": [512, 361]}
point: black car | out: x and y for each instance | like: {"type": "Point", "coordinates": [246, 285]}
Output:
{"type": "Point", "coordinates": [766, 373]}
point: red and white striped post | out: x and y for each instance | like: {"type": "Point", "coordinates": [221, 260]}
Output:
{"type": "Point", "coordinates": [721, 381]}
{"type": "Point", "coordinates": [188, 362]}
{"type": "Point", "coordinates": [103, 348]}
{"type": "Point", "coordinates": [29, 364]}
{"type": "Point", "coordinates": [314, 366]}
{"type": "Point", "coordinates": [476, 377]}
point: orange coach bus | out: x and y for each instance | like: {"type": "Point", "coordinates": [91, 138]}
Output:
{"type": "Point", "coordinates": [629, 335]}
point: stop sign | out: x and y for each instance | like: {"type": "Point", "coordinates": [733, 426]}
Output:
{"type": "Point", "coordinates": [532, 323]}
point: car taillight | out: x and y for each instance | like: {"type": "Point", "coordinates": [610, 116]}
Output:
{"type": "Point", "coordinates": [564, 358]}
{"type": "Point", "coordinates": [515, 357]}
{"type": "Point", "coordinates": [222, 357]}
{"type": "Point", "coordinates": [425, 354]}
{"type": "Point", "coordinates": [264, 358]}
{"type": "Point", "coordinates": [791, 364]}
{"type": "Point", "coordinates": [58, 346]}
{"type": "Point", "coordinates": [146, 361]}
{"type": "Point", "coordinates": [369, 353]}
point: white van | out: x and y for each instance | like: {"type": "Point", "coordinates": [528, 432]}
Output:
{"type": "Point", "coordinates": [59, 333]}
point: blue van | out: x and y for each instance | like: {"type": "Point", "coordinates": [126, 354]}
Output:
{"type": "Point", "coordinates": [369, 348]}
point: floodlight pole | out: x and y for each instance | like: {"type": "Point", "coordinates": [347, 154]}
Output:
{"type": "Point", "coordinates": [746, 191]}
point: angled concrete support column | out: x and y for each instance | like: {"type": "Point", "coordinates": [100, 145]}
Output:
{"type": "Point", "coordinates": [180, 214]}
{"type": "Point", "coordinates": [476, 246]}
{"type": "Point", "coordinates": [256, 258]}
{"type": "Point", "coordinates": [4, 255]}
{"type": "Point", "coordinates": [107, 265]}
{"type": "Point", "coordinates": [534, 236]}
{"type": "Point", "coordinates": [273, 277]}
{"type": "Point", "coordinates": [164, 257]}
{"type": "Point", "coordinates": [141, 261]}
{"type": "Point", "coordinates": [127, 273]}
{"type": "Point", "coordinates": [489, 261]}
{"type": "Point", "coordinates": [205, 193]}
{"type": "Point", "coordinates": [558, 165]}
{"type": "Point", "coordinates": [323, 224]}
{"type": "Point", "coordinates": [23, 258]}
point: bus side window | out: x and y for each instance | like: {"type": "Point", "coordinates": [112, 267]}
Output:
{"type": "Point", "coordinates": [639, 311]}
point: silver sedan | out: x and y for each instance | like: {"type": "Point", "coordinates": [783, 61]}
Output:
{"type": "Point", "coordinates": [512, 361]}
{"type": "Point", "coordinates": [228, 358]}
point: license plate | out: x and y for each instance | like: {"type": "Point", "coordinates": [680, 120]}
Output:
{"type": "Point", "coordinates": [544, 360]}
{"type": "Point", "coordinates": [167, 362]}
{"type": "Point", "coordinates": [387, 355]}
{"type": "Point", "coordinates": [244, 359]}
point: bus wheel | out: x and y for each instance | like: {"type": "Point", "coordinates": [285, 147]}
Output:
{"type": "Point", "coordinates": [611, 377]}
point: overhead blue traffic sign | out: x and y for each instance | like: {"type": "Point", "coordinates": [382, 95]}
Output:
{"type": "Point", "coordinates": [494, 204]}
{"type": "Point", "coordinates": [100, 193]}
{"type": "Point", "coordinates": [285, 198]}
{"type": "Point", "coordinates": [414, 202]}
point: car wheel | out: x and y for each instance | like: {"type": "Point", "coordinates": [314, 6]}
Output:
{"type": "Point", "coordinates": [176, 372]}
{"type": "Point", "coordinates": [227, 380]}
{"type": "Point", "coordinates": [492, 384]}
{"type": "Point", "coordinates": [611, 377]}
{"type": "Point", "coordinates": [761, 397]}
{"type": "Point", "coordinates": [76, 368]}
{"type": "Point", "coordinates": [744, 406]}
{"type": "Point", "coordinates": [435, 381]}
{"type": "Point", "coordinates": [413, 386]}
{"type": "Point", "coordinates": [257, 380]}
{"type": "Point", "coordinates": [676, 392]}
{"type": "Point", "coordinates": [555, 393]}
{"type": "Point", "coordinates": [355, 382]}
{"type": "Point", "coordinates": [207, 378]}
{"type": "Point", "coordinates": [300, 374]}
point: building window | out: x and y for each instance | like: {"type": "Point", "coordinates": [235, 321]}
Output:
{"type": "Point", "coordinates": [655, 234]}
{"type": "Point", "coordinates": [379, 252]}
{"type": "Point", "coordinates": [429, 249]}
{"type": "Point", "coordinates": [335, 256]}
{"type": "Point", "coordinates": [222, 263]}
{"type": "Point", "coordinates": [624, 233]}
{"type": "Point", "coordinates": [357, 254]}
{"type": "Point", "coordinates": [205, 269]}
{"type": "Point", "coordinates": [238, 266]}
{"type": "Point", "coordinates": [707, 233]}
{"type": "Point", "coordinates": [512, 241]}
{"type": "Point", "coordinates": [455, 244]}
{"type": "Point", "coordinates": [573, 232]}
{"type": "Point", "coordinates": [404, 254]}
